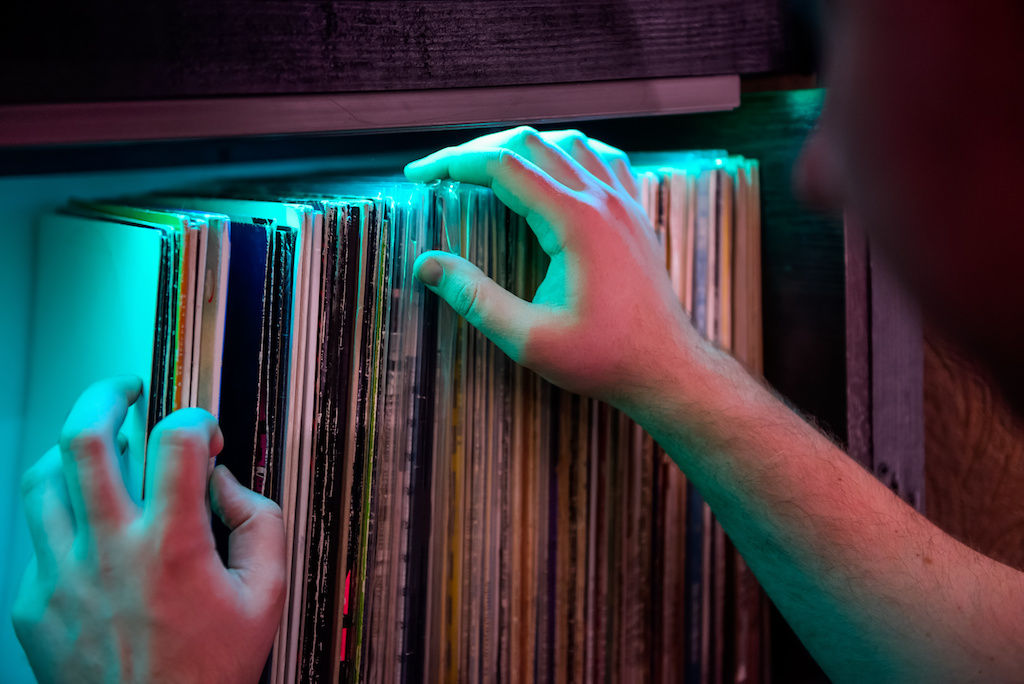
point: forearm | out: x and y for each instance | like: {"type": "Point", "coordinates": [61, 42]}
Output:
{"type": "Point", "coordinates": [874, 590]}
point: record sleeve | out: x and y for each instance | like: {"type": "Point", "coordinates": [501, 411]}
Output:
{"type": "Point", "coordinates": [82, 334]}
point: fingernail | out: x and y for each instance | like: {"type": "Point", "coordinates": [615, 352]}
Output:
{"type": "Point", "coordinates": [430, 272]}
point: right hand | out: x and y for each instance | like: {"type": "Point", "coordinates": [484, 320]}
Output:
{"type": "Point", "coordinates": [605, 321]}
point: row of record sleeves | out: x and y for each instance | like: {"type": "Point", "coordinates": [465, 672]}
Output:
{"type": "Point", "coordinates": [449, 515]}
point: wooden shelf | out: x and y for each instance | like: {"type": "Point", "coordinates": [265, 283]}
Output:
{"type": "Point", "coordinates": [376, 111]}
{"type": "Point", "coordinates": [121, 50]}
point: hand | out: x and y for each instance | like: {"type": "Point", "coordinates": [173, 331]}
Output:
{"type": "Point", "coordinates": [119, 592]}
{"type": "Point", "coordinates": [604, 321]}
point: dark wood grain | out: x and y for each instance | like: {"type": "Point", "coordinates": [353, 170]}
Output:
{"type": "Point", "coordinates": [858, 346]}
{"type": "Point", "coordinates": [113, 50]}
{"type": "Point", "coordinates": [213, 117]}
{"type": "Point", "coordinates": [897, 394]}
{"type": "Point", "coordinates": [975, 449]}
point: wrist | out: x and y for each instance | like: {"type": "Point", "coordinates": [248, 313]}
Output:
{"type": "Point", "coordinates": [682, 387]}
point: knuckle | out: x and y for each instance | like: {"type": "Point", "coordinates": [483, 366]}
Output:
{"type": "Point", "coordinates": [36, 474]}
{"type": "Point", "coordinates": [22, 618]}
{"type": "Point", "coordinates": [83, 445]}
{"type": "Point", "coordinates": [577, 140]}
{"type": "Point", "coordinates": [594, 210]}
{"type": "Point", "coordinates": [32, 605]}
{"type": "Point", "coordinates": [466, 298]}
{"type": "Point", "coordinates": [270, 511]}
{"type": "Point", "coordinates": [620, 211]}
{"type": "Point", "coordinates": [182, 440]}
{"type": "Point", "coordinates": [527, 136]}
{"type": "Point", "coordinates": [24, 608]}
{"type": "Point", "coordinates": [620, 157]}
{"type": "Point", "coordinates": [505, 164]}
{"type": "Point", "coordinates": [262, 514]}
{"type": "Point", "coordinates": [505, 159]}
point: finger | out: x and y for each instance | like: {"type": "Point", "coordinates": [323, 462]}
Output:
{"type": "Point", "coordinates": [256, 546]}
{"type": "Point", "coordinates": [44, 496]}
{"type": "Point", "coordinates": [177, 467]}
{"type": "Point", "coordinates": [619, 163]}
{"type": "Point", "coordinates": [504, 318]}
{"type": "Point", "coordinates": [88, 453]}
{"type": "Point", "coordinates": [578, 146]}
{"type": "Point", "coordinates": [608, 164]}
{"type": "Point", "coordinates": [527, 190]}
{"type": "Point", "coordinates": [528, 144]}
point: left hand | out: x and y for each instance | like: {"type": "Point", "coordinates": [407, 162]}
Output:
{"type": "Point", "coordinates": [119, 592]}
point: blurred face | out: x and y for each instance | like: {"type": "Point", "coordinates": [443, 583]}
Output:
{"type": "Point", "coordinates": [921, 143]}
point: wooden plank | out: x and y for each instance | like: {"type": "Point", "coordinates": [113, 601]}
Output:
{"type": "Point", "coordinates": [858, 346]}
{"type": "Point", "coordinates": [118, 50]}
{"type": "Point", "coordinates": [365, 112]}
{"type": "Point", "coordinates": [897, 387]}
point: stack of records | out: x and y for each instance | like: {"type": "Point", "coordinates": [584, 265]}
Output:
{"type": "Point", "coordinates": [122, 289]}
{"type": "Point", "coordinates": [449, 515]}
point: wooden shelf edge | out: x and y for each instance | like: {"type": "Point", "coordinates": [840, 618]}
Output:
{"type": "Point", "coordinates": [60, 124]}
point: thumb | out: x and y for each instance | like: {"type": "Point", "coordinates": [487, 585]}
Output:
{"type": "Point", "coordinates": [493, 310]}
{"type": "Point", "coordinates": [256, 553]}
